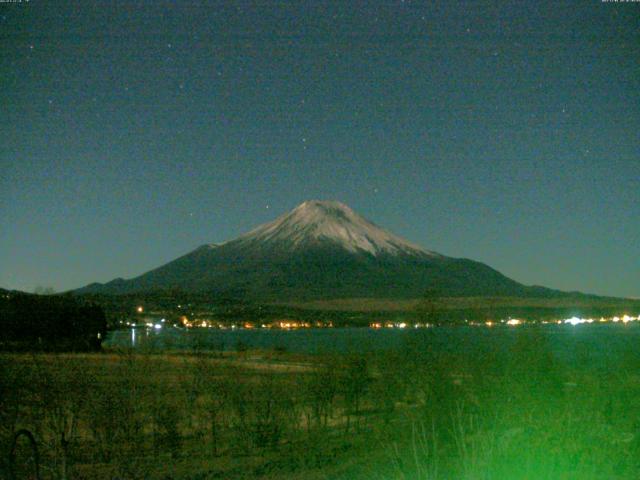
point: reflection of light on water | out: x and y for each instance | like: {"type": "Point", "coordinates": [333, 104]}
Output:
{"type": "Point", "coordinates": [133, 337]}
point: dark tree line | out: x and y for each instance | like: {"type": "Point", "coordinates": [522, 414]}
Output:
{"type": "Point", "coordinates": [49, 322]}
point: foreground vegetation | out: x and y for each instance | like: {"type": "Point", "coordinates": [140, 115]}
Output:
{"type": "Point", "coordinates": [413, 413]}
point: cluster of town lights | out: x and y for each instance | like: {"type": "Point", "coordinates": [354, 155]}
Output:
{"type": "Point", "coordinates": [623, 319]}
{"type": "Point", "coordinates": [292, 324]}
{"type": "Point", "coordinates": [378, 325]}
{"type": "Point", "coordinates": [288, 324]}
{"type": "Point", "coordinates": [575, 320]}
{"type": "Point", "coordinates": [280, 324]}
{"type": "Point", "coordinates": [513, 322]}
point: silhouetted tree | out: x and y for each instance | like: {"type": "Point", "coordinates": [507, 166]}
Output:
{"type": "Point", "coordinates": [50, 322]}
{"type": "Point", "coordinates": [355, 379]}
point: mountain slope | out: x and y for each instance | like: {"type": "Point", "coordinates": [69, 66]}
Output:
{"type": "Point", "coordinates": [321, 250]}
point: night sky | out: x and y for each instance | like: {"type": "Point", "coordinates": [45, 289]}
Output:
{"type": "Point", "coordinates": [132, 132]}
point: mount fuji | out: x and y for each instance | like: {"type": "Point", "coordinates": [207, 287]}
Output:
{"type": "Point", "coordinates": [321, 250]}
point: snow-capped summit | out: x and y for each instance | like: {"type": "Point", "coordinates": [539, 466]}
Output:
{"type": "Point", "coordinates": [330, 221]}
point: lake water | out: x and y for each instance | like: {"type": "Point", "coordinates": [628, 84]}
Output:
{"type": "Point", "coordinates": [602, 344]}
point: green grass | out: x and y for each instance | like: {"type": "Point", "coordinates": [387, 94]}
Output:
{"type": "Point", "coordinates": [408, 414]}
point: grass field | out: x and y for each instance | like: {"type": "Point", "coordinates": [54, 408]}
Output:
{"type": "Point", "coordinates": [405, 414]}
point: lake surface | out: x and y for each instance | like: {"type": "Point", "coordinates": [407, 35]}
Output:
{"type": "Point", "coordinates": [602, 344]}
